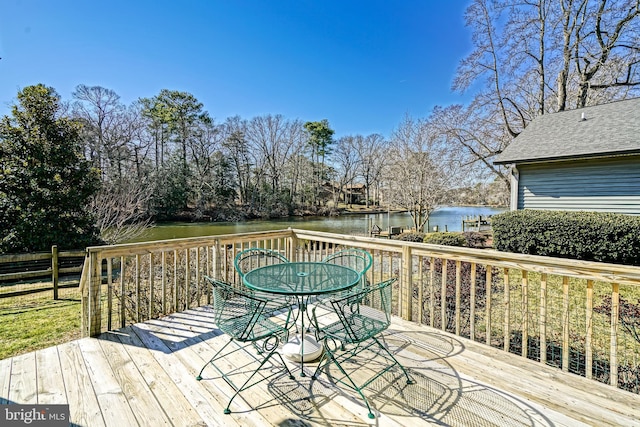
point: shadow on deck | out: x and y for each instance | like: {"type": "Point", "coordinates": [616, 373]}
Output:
{"type": "Point", "coordinates": [145, 375]}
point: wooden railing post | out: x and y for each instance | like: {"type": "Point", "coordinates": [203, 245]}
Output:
{"type": "Point", "coordinates": [216, 259]}
{"type": "Point", "coordinates": [293, 245]}
{"type": "Point", "coordinates": [91, 294]}
{"type": "Point", "coordinates": [54, 270]}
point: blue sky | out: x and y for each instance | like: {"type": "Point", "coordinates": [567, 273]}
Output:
{"type": "Point", "coordinates": [360, 64]}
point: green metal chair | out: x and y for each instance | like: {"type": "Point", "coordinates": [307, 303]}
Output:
{"type": "Point", "coordinates": [354, 258]}
{"type": "Point", "coordinates": [250, 259]}
{"type": "Point", "coordinates": [362, 315]}
{"type": "Point", "coordinates": [240, 315]}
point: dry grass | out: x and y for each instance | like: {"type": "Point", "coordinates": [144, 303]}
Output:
{"type": "Point", "coordinates": [39, 321]}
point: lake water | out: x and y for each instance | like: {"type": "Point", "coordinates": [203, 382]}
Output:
{"type": "Point", "coordinates": [449, 218]}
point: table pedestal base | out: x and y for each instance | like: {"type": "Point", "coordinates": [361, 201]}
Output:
{"type": "Point", "coordinates": [298, 351]}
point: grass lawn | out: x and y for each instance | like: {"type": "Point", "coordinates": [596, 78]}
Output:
{"type": "Point", "coordinates": [39, 322]}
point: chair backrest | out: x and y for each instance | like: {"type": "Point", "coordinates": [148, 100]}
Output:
{"type": "Point", "coordinates": [250, 259]}
{"type": "Point", "coordinates": [365, 313]}
{"type": "Point", "coordinates": [236, 311]}
{"type": "Point", "coordinates": [354, 258]}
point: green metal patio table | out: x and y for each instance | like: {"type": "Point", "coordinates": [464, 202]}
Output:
{"type": "Point", "coordinates": [302, 280]}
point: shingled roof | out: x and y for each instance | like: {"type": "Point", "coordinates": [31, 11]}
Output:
{"type": "Point", "coordinates": [598, 131]}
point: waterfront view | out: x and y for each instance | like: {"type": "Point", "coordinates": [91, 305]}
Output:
{"type": "Point", "coordinates": [446, 218]}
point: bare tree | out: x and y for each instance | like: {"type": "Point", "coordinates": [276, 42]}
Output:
{"type": "Point", "coordinates": [419, 170]}
{"type": "Point", "coordinates": [345, 159]}
{"type": "Point", "coordinates": [477, 132]}
{"type": "Point", "coordinates": [607, 48]}
{"type": "Point", "coordinates": [371, 158]}
{"type": "Point", "coordinates": [120, 210]}
{"type": "Point", "coordinates": [236, 148]}
{"type": "Point", "coordinates": [105, 127]}
{"type": "Point", "coordinates": [532, 57]}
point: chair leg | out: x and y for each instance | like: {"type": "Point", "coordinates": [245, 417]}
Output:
{"type": "Point", "coordinates": [406, 374]}
{"type": "Point", "coordinates": [330, 357]}
{"type": "Point", "coordinates": [290, 317]}
{"type": "Point", "coordinates": [199, 377]}
{"type": "Point", "coordinates": [246, 384]}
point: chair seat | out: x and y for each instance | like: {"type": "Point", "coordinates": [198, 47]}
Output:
{"type": "Point", "coordinates": [262, 328]}
{"type": "Point", "coordinates": [360, 328]}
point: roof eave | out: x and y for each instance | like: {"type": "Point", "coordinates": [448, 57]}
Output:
{"type": "Point", "coordinates": [572, 157]}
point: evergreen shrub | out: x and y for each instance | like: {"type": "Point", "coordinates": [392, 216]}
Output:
{"type": "Point", "coordinates": [591, 236]}
{"type": "Point", "coordinates": [410, 236]}
{"type": "Point", "coordinates": [447, 239]}
{"type": "Point", "coordinates": [475, 239]}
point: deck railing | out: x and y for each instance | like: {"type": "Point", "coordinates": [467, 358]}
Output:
{"type": "Point", "coordinates": [583, 317]}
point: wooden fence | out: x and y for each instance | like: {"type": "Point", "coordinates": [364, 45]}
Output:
{"type": "Point", "coordinates": [15, 269]}
{"type": "Point", "coordinates": [576, 315]}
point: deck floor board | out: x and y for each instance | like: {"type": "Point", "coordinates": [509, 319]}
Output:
{"type": "Point", "coordinates": [144, 375]}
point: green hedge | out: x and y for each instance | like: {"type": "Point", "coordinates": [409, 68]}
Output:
{"type": "Point", "coordinates": [592, 236]}
{"type": "Point", "coordinates": [447, 239]}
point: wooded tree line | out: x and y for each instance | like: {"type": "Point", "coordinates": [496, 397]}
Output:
{"type": "Point", "coordinates": [166, 157]}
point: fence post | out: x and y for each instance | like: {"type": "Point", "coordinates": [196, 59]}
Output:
{"type": "Point", "coordinates": [54, 270]}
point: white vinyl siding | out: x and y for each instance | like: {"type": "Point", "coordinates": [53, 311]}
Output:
{"type": "Point", "coordinates": [607, 185]}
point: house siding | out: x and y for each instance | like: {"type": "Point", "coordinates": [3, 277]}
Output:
{"type": "Point", "coordinates": [605, 185]}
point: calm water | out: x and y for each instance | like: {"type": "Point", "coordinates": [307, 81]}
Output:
{"type": "Point", "coordinates": [446, 217]}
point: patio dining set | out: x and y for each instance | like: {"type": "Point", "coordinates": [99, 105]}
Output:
{"type": "Point", "coordinates": [323, 311]}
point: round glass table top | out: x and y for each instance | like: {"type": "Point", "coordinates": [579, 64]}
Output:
{"type": "Point", "coordinates": [301, 278]}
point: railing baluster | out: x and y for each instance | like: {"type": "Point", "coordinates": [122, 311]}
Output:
{"type": "Point", "coordinates": [565, 324]}
{"type": "Point", "coordinates": [588, 350]}
{"type": "Point", "coordinates": [507, 310]}
{"type": "Point", "coordinates": [472, 302]}
{"type": "Point", "coordinates": [525, 313]}
{"type": "Point", "coordinates": [198, 266]}
{"type": "Point", "coordinates": [187, 279]}
{"type": "Point", "coordinates": [543, 318]}
{"type": "Point", "coordinates": [443, 296]}
{"type": "Point", "coordinates": [164, 281]}
{"type": "Point", "coordinates": [488, 304]}
{"type": "Point", "coordinates": [176, 298]}
{"type": "Point", "coordinates": [420, 289]}
{"type": "Point", "coordinates": [137, 288]}
{"type": "Point", "coordinates": [615, 316]}
{"type": "Point", "coordinates": [406, 285]}
{"type": "Point", "coordinates": [151, 288]}
{"type": "Point", "coordinates": [109, 292]}
{"type": "Point", "coordinates": [458, 285]}
{"type": "Point", "coordinates": [123, 311]}
{"type": "Point", "coordinates": [432, 292]}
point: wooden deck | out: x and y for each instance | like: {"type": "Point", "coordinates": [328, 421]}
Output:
{"type": "Point", "coordinates": [145, 375]}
